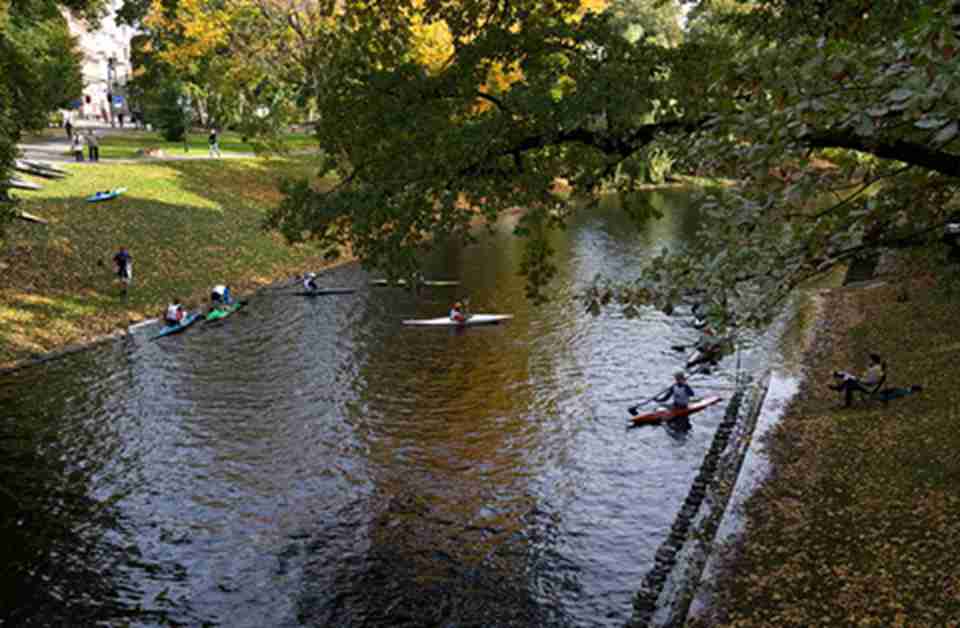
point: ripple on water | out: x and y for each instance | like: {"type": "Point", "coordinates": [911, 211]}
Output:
{"type": "Point", "coordinates": [313, 462]}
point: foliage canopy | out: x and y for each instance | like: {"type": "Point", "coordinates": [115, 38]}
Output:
{"type": "Point", "coordinates": [837, 120]}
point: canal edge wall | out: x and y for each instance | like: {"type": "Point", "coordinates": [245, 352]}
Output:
{"type": "Point", "coordinates": [671, 584]}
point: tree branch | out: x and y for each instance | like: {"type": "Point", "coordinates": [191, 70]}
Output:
{"type": "Point", "coordinates": [900, 150]}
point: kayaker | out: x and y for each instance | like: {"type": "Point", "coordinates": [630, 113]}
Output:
{"type": "Point", "coordinates": [709, 349]}
{"type": "Point", "coordinates": [457, 314]}
{"type": "Point", "coordinates": [221, 295]}
{"type": "Point", "coordinates": [175, 313]}
{"type": "Point", "coordinates": [869, 383]}
{"type": "Point", "coordinates": [124, 263]}
{"type": "Point", "coordinates": [310, 282]}
{"type": "Point", "coordinates": [680, 391]}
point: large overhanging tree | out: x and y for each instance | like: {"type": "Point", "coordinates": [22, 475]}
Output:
{"type": "Point", "coordinates": [837, 120]}
{"type": "Point", "coordinates": [39, 71]}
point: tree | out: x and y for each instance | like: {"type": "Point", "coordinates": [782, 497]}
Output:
{"type": "Point", "coordinates": [838, 121]}
{"type": "Point", "coordinates": [423, 150]}
{"type": "Point", "coordinates": [39, 70]}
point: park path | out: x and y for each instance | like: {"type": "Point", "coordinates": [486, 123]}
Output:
{"type": "Point", "coordinates": [57, 149]}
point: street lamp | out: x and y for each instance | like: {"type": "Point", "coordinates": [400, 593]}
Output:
{"type": "Point", "coordinates": [184, 101]}
{"type": "Point", "coordinates": [111, 66]}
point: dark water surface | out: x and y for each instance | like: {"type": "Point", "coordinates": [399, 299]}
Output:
{"type": "Point", "coordinates": [311, 462]}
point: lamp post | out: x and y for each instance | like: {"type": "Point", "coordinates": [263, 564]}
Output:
{"type": "Point", "coordinates": [111, 65]}
{"type": "Point", "coordinates": [184, 101]}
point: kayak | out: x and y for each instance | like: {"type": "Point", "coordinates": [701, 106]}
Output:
{"type": "Point", "coordinates": [43, 165]}
{"type": "Point", "coordinates": [323, 291]}
{"type": "Point", "coordinates": [674, 413]}
{"type": "Point", "coordinates": [188, 320]}
{"type": "Point", "coordinates": [38, 171]}
{"type": "Point", "coordinates": [425, 282]}
{"type": "Point", "coordinates": [20, 184]}
{"type": "Point", "coordinates": [106, 195]}
{"type": "Point", "coordinates": [219, 313]}
{"type": "Point", "coordinates": [475, 319]}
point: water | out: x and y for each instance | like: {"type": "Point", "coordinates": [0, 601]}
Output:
{"type": "Point", "coordinates": [311, 462]}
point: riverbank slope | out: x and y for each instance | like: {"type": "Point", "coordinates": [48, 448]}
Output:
{"type": "Point", "coordinates": [856, 524]}
{"type": "Point", "coordinates": [188, 225]}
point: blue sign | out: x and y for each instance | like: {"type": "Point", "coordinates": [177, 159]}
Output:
{"type": "Point", "coordinates": [118, 101]}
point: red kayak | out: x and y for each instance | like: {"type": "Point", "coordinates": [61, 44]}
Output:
{"type": "Point", "coordinates": [672, 413]}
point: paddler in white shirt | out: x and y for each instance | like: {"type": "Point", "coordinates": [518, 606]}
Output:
{"type": "Point", "coordinates": [457, 314]}
{"type": "Point", "coordinates": [174, 313]}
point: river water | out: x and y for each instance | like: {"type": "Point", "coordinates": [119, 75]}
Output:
{"type": "Point", "coordinates": [311, 462]}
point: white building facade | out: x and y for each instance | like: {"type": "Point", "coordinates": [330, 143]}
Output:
{"type": "Point", "coordinates": [106, 68]}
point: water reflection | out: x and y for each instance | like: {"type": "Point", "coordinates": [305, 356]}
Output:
{"type": "Point", "coordinates": [313, 462]}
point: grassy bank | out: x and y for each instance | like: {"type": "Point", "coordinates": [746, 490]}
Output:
{"type": "Point", "coordinates": [187, 224]}
{"type": "Point", "coordinates": [858, 525]}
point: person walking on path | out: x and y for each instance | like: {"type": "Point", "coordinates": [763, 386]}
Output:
{"type": "Point", "coordinates": [69, 128]}
{"type": "Point", "coordinates": [214, 141]}
{"type": "Point", "coordinates": [77, 147]}
{"type": "Point", "coordinates": [93, 146]}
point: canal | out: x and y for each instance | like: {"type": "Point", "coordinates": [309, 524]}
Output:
{"type": "Point", "coordinates": [312, 462]}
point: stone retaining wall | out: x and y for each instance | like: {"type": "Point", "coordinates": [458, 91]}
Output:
{"type": "Point", "coordinates": [669, 586]}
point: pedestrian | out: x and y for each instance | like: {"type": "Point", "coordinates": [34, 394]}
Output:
{"type": "Point", "coordinates": [69, 127]}
{"type": "Point", "coordinates": [214, 142]}
{"type": "Point", "coordinates": [93, 146]}
{"type": "Point", "coordinates": [120, 119]}
{"type": "Point", "coordinates": [77, 146]}
{"type": "Point", "coordinates": [124, 263]}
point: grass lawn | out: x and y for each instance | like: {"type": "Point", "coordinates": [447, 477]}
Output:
{"type": "Point", "coordinates": [125, 145]}
{"type": "Point", "coordinates": [858, 525]}
{"type": "Point", "coordinates": [187, 224]}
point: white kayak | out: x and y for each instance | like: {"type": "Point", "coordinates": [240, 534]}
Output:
{"type": "Point", "coordinates": [424, 282]}
{"type": "Point", "coordinates": [475, 319]}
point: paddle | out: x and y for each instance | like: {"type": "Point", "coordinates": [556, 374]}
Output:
{"type": "Point", "coordinates": [633, 409]}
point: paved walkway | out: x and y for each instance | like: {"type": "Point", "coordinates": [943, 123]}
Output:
{"type": "Point", "coordinates": [57, 149]}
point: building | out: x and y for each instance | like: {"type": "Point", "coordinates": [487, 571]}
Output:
{"type": "Point", "coordinates": [106, 67]}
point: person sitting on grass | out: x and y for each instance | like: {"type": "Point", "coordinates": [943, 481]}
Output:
{"type": "Point", "coordinates": [869, 383]}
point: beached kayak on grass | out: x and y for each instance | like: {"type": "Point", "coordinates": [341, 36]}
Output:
{"type": "Point", "coordinates": [106, 195]}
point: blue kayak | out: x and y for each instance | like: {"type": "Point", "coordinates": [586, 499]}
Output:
{"type": "Point", "coordinates": [106, 195]}
{"type": "Point", "coordinates": [188, 320]}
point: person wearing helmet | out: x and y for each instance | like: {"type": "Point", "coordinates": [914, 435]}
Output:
{"type": "Point", "coordinates": [457, 314]}
{"type": "Point", "coordinates": [680, 391]}
{"type": "Point", "coordinates": [310, 282]}
{"type": "Point", "coordinates": [221, 295]}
